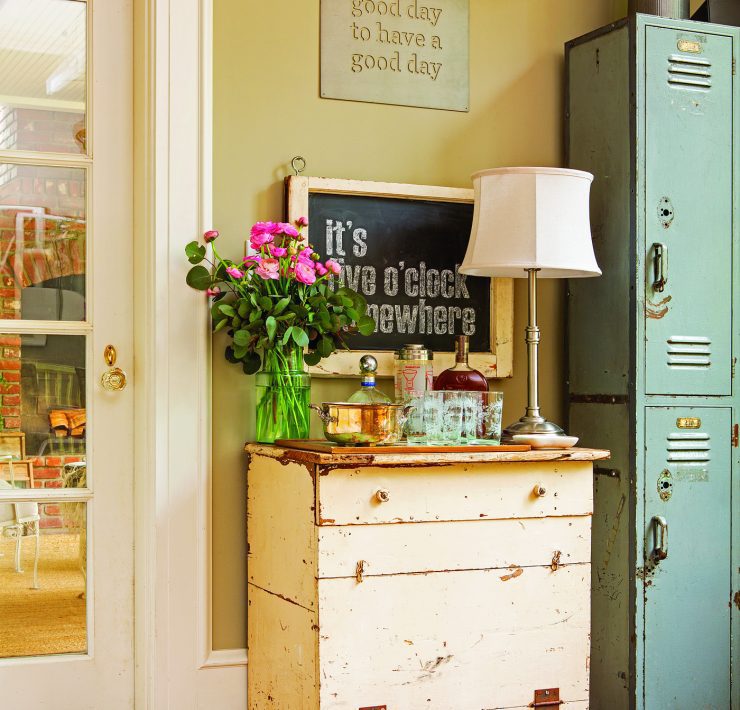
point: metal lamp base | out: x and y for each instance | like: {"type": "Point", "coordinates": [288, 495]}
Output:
{"type": "Point", "coordinates": [531, 425]}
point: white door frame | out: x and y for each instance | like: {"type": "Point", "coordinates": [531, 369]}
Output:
{"type": "Point", "coordinates": [175, 664]}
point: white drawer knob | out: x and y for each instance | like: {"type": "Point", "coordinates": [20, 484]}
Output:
{"type": "Point", "coordinates": [382, 495]}
{"type": "Point", "coordinates": [539, 490]}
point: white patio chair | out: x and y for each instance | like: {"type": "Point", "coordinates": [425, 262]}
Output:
{"type": "Point", "coordinates": [18, 520]}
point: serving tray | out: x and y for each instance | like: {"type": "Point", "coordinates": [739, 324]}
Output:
{"type": "Point", "coordinates": [323, 446]}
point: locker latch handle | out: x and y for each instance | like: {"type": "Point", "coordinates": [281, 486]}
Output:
{"type": "Point", "coordinates": [660, 267]}
{"type": "Point", "coordinates": [661, 549]}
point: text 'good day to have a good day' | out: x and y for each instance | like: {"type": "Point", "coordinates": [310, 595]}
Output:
{"type": "Point", "coordinates": [407, 52]}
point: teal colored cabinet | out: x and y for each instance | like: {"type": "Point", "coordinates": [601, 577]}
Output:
{"type": "Point", "coordinates": [652, 111]}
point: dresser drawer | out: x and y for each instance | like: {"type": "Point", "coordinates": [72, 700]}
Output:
{"type": "Point", "coordinates": [512, 546]}
{"type": "Point", "coordinates": [372, 495]}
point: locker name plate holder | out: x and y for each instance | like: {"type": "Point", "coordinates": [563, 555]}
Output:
{"type": "Point", "coordinates": [687, 45]}
{"type": "Point", "coordinates": [688, 423]}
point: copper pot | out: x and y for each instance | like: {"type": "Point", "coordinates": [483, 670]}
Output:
{"type": "Point", "coordinates": [362, 424]}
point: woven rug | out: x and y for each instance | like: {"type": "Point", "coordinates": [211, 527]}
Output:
{"type": "Point", "coordinates": [50, 619]}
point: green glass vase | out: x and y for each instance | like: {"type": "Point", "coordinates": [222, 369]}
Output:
{"type": "Point", "coordinates": [283, 395]}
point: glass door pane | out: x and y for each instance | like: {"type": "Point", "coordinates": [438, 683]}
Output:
{"type": "Point", "coordinates": [43, 578]}
{"type": "Point", "coordinates": [43, 235]}
{"type": "Point", "coordinates": [43, 77]}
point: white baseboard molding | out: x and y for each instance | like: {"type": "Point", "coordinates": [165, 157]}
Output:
{"type": "Point", "coordinates": [226, 658]}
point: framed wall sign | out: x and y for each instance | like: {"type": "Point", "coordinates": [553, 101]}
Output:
{"type": "Point", "coordinates": [401, 247]}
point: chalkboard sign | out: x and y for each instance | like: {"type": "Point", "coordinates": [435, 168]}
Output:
{"type": "Point", "coordinates": [401, 247]}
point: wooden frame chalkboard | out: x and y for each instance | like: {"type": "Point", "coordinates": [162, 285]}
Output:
{"type": "Point", "coordinates": [383, 231]}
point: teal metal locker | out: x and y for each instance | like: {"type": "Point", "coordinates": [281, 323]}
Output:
{"type": "Point", "coordinates": [652, 110]}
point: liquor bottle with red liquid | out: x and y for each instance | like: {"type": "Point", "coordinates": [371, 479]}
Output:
{"type": "Point", "coordinates": [461, 376]}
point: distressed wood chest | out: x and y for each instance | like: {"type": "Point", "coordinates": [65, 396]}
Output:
{"type": "Point", "coordinates": [405, 581]}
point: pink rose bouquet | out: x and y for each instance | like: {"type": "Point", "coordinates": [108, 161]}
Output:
{"type": "Point", "coordinates": [279, 297]}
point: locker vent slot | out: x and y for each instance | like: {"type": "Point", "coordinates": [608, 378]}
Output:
{"type": "Point", "coordinates": [689, 72]}
{"type": "Point", "coordinates": [685, 352]}
{"type": "Point", "coordinates": [688, 447]}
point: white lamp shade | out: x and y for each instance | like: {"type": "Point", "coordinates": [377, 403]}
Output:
{"type": "Point", "coordinates": [531, 218]}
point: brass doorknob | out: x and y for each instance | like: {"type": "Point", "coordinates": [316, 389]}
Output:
{"type": "Point", "coordinates": [113, 380]}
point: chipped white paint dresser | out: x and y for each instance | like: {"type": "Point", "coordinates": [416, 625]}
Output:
{"type": "Point", "coordinates": [410, 581]}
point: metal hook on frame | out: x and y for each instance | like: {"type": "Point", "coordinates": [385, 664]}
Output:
{"type": "Point", "coordinates": [298, 164]}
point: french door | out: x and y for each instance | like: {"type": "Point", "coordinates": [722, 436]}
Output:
{"type": "Point", "coordinates": [66, 355]}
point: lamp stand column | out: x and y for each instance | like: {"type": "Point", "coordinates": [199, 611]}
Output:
{"type": "Point", "coordinates": [532, 422]}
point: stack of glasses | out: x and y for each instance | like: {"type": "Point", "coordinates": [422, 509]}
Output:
{"type": "Point", "coordinates": [455, 417]}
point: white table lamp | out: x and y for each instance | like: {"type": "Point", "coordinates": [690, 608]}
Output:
{"type": "Point", "coordinates": [531, 222]}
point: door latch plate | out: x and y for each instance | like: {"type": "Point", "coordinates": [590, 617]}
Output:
{"type": "Point", "coordinates": [665, 485]}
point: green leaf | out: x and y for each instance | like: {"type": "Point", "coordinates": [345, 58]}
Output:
{"type": "Point", "coordinates": [300, 311]}
{"type": "Point", "coordinates": [198, 278]}
{"type": "Point", "coordinates": [220, 324]}
{"type": "Point", "coordinates": [195, 252]}
{"type": "Point", "coordinates": [325, 347]}
{"type": "Point", "coordinates": [286, 317]}
{"type": "Point", "coordinates": [286, 335]}
{"type": "Point", "coordinates": [252, 363]}
{"type": "Point", "coordinates": [366, 325]}
{"type": "Point", "coordinates": [312, 358]}
{"type": "Point", "coordinates": [254, 315]}
{"type": "Point", "coordinates": [265, 303]}
{"type": "Point", "coordinates": [353, 314]}
{"type": "Point", "coordinates": [347, 302]}
{"type": "Point", "coordinates": [300, 336]}
{"type": "Point", "coordinates": [280, 306]}
{"type": "Point", "coordinates": [240, 351]}
{"type": "Point", "coordinates": [227, 310]}
{"type": "Point", "coordinates": [241, 337]}
{"type": "Point", "coordinates": [271, 325]}
{"type": "Point", "coordinates": [243, 307]}
{"type": "Point", "coordinates": [256, 325]}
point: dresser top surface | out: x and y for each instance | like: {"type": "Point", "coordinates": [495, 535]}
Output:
{"type": "Point", "coordinates": [408, 458]}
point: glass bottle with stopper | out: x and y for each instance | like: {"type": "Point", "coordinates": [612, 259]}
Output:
{"type": "Point", "coordinates": [461, 376]}
{"type": "Point", "coordinates": [368, 392]}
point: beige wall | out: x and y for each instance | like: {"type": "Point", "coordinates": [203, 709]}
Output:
{"type": "Point", "coordinates": [267, 110]}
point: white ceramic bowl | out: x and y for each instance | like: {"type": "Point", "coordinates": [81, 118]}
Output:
{"type": "Point", "coordinates": [546, 441]}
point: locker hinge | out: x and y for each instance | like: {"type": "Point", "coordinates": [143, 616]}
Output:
{"type": "Point", "coordinates": [735, 435]}
{"type": "Point", "coordinates": [733, 66]}
{"type": "Point", "coordinates": [734, 363]}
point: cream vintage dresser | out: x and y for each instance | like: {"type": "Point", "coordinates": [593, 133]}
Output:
{"type": "Point", "coordinates": [410, 581]}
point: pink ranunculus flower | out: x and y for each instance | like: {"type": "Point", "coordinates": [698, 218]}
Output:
{"type": "Point", "coordinates": [305, 254]}
{"type": "Point", "coordinates": [234, 272]}
{"type": "Point", "coordinates": [288, 229]}
{"type": "Point", "coordinates": [258, 240]}
{"type": "Point", "coordinates": [334, 266]}
{"type": "Point", "coordinates": [276, 251]}
{"type": "Point", "coordinates": [320, 269]}
{"type": "Point", "coordinates": [213, 291]}
{"type": "Point", "coordinates": [305, 273]}
{"type": "Point", "coordinates": [210, 235]}
{"type": "Point", "coordinates": [264, 228]}
{"type": "Point", "coordinates": [268, 269]}
{"type": "Point", "coordinates": [302, 222]}
{"type": "Point", "coordinates": [251, 260]}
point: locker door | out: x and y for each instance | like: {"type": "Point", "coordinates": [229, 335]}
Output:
{"type": "Point", "coordinates": [688, 221]}
{"type": "Point", "coordinates": [687, 515]}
